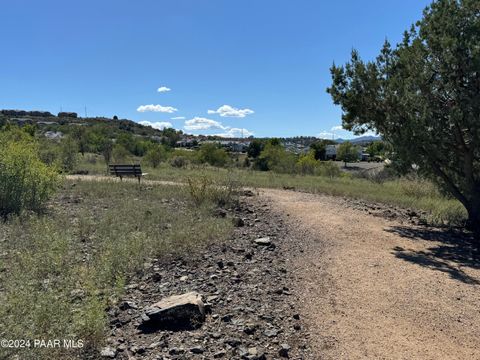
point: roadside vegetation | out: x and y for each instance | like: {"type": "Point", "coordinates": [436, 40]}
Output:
{"type": "Point", "coordinates": [60, 271]}
{"type": "Point", "coordinates": [70, 248]}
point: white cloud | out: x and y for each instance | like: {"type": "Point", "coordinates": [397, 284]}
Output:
{"type": "Point", "coordinates": [229, 111]}
{"type": "Point", "coordinates": [160, 125]}
{"type": "Point", "coordinates": [156, 108]}
{"type": "Point", "coordinates": [178, 118]}
{"type": "Point", "coordinates": [199, 123]}
{"type": "Point", "coordinates": [235, 133]}
{"type": "Point", "coordinates": [336, 128]}
{"type": "Point", "coordinates": [325, 135]}
{"type": "Point", "coordinates": [162, 89]}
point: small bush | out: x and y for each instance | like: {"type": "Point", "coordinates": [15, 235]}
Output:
{"type": "Point", "coordinates": [328, 169]}
{"type": "Point", "coordinates": [307, 164]}
{"type": "Point", "coordinates": [179, 161]}
{"type": "Point", "coordinates": [418, 188]}
{"type": "Point", "coordinates": [120, 155]}
{"type": "Point", "coordinates": [211, 154]}
{"type": "Point", "coordinates": [204, 190]}
{"type": "Point", "coordinates": [155, 155]}
{"type": "Point", "coordinates": [378, 176]}
{"type": "Point", "coordinates": [26, 182]}
{"type": "Point", "coordinates": [68, 156]}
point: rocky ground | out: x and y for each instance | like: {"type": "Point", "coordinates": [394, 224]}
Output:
{"type": "Point", "coordinates": [246, 287]}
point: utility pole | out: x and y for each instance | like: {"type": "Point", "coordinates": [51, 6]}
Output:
{"type": "Point", "coordinates": [85, 110]}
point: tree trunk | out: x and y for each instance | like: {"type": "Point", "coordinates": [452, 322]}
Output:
{"type": "Point", "coordinates": [473, 222]}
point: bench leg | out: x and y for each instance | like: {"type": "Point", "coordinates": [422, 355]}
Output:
{"type": "Point", "coordinates": [138, 177]}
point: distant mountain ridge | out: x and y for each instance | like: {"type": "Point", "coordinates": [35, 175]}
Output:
{"type": "Point", "coordinates": [359, 140]}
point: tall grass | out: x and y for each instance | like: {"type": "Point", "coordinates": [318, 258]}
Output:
{"type": "Point", "coordinates": [406, 193]}
{"type": "Point", "coordinates": [62, 270]}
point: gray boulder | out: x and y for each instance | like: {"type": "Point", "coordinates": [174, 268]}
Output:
{"type": "Point", "coordinates": [178, 312]}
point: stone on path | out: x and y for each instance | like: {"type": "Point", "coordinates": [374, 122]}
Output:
{"type": "Point", "coordinates": [178, 312]}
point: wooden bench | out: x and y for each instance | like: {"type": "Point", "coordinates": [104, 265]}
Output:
{"type": "Point", "coordinates": [126, 170]}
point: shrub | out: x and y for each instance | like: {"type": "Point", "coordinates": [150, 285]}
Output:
{"type": "Point", "coordinates": [68, 156]}
{"type": "Point", "coordinates": [204, 190]}
{"type": "Point", "coordinates": [328, 169]}
{"type": "Point", "coordinates": [25, 181]}
{"type": "Point", "coordinates": [155, 155]}
{"type": "Point", "coordinates": [211, 154]}
{"type": "Point", "coordinates": [275, 157]}
{"type": "Point", "coordinates": [347, 152]}
{"type": "Point", "coordinates": [120, 154]}
{"type": "Point", "coordinates": [307, 164]}
{"type": "Point", "coordinates": [178, 161]}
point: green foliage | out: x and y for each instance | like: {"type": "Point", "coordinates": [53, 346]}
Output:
{"type": "Point", "coordinates": [274, 157]}
{"type": "Point", "coordinates": [307, 164]}
{"type": "Point", "coordinates": [80, 135]}
{"type": "Point", "coordinates": [68, 154]}
{"type": "Point", "coordinates": [29, 129]}
{"type": "Point", "coordinates": [422, 96]}
{"type": "Point", "coordinates": [26, 182]}
{"type": "Point", "coordinates": [155, 155]}
{"type": "Point", "coordinates": [328, 169]}
{"type": "Point", "coordinates": [255, 148]}
{"type": "Point", "coordinates": [120, 155]}
{"type": "Point", "coordinates": [212, 154]}
{"type": "Point", "coordinates": [205, 190]}
{"type": "Point", "coordinates": [379, 149]}
{"type": "Point", "coordinates": [48, 151]}
{"type": "Point", "coordinates": [178, 161]}
{"type": "Point", "coordinates": [105, 146]}
{"type": "Point", "coordinates": [347, 152]}
{"type": "Point", "coordinates": [319, 149]}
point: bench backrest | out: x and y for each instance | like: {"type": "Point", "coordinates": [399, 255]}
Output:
{"type": "Point", "coordinates": [125, 170]}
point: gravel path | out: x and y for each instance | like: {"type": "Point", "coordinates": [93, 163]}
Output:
{"type": "Point", "coordinates": [373, 288]}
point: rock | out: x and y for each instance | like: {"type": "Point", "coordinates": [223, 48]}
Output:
{"type": "Point", "coordinates": [238, 222]}
{"type": "Point", "coordinates": [127, 305]}
{"type": "Point", "coordinates": [156, 277]}
{"type": "Point", "coordinates": [265, 241]}
{"type": "Point", "coordinates": [270, 333]}
{"type": "Point", "coordinates": [284, 349]}
{"type": "Point", "coordinates": [108, 352]}
{"type": "Point", "coordinates": [233, 342]}
{"type": "Point", "coordinates": [178, 312]}
{"type": "Point", "coordinates": [219, 354]}
{"type": "Point", "coordinates": [248, 193]}
{"type": "Point", "coordinates": [197, 350]}
{"type": "Point", "coordinates": [176, 351]}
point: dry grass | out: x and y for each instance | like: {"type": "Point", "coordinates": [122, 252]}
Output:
{"type": "Point", "coordinates": [406, 193]}
{"type": "Point", "coordinates": [62, 270]}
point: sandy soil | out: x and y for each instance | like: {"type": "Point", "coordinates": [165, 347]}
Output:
{"type": "Point", "coordinates": [376, 289]}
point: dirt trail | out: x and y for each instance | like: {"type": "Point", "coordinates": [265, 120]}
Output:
{"type": "Point", "coordinates": [374, 289]}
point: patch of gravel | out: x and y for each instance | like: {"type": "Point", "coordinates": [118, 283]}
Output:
{"type": "Point", "coordinates": [251, 307]}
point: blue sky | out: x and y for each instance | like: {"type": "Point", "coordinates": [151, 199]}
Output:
{"type": "Point", "coordinates": [266, 60]}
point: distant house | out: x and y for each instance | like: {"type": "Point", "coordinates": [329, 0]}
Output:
{"type": "Point", "coordinates": [331, 152]}
{"type": "Point", "coordinates": [53, 135]}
